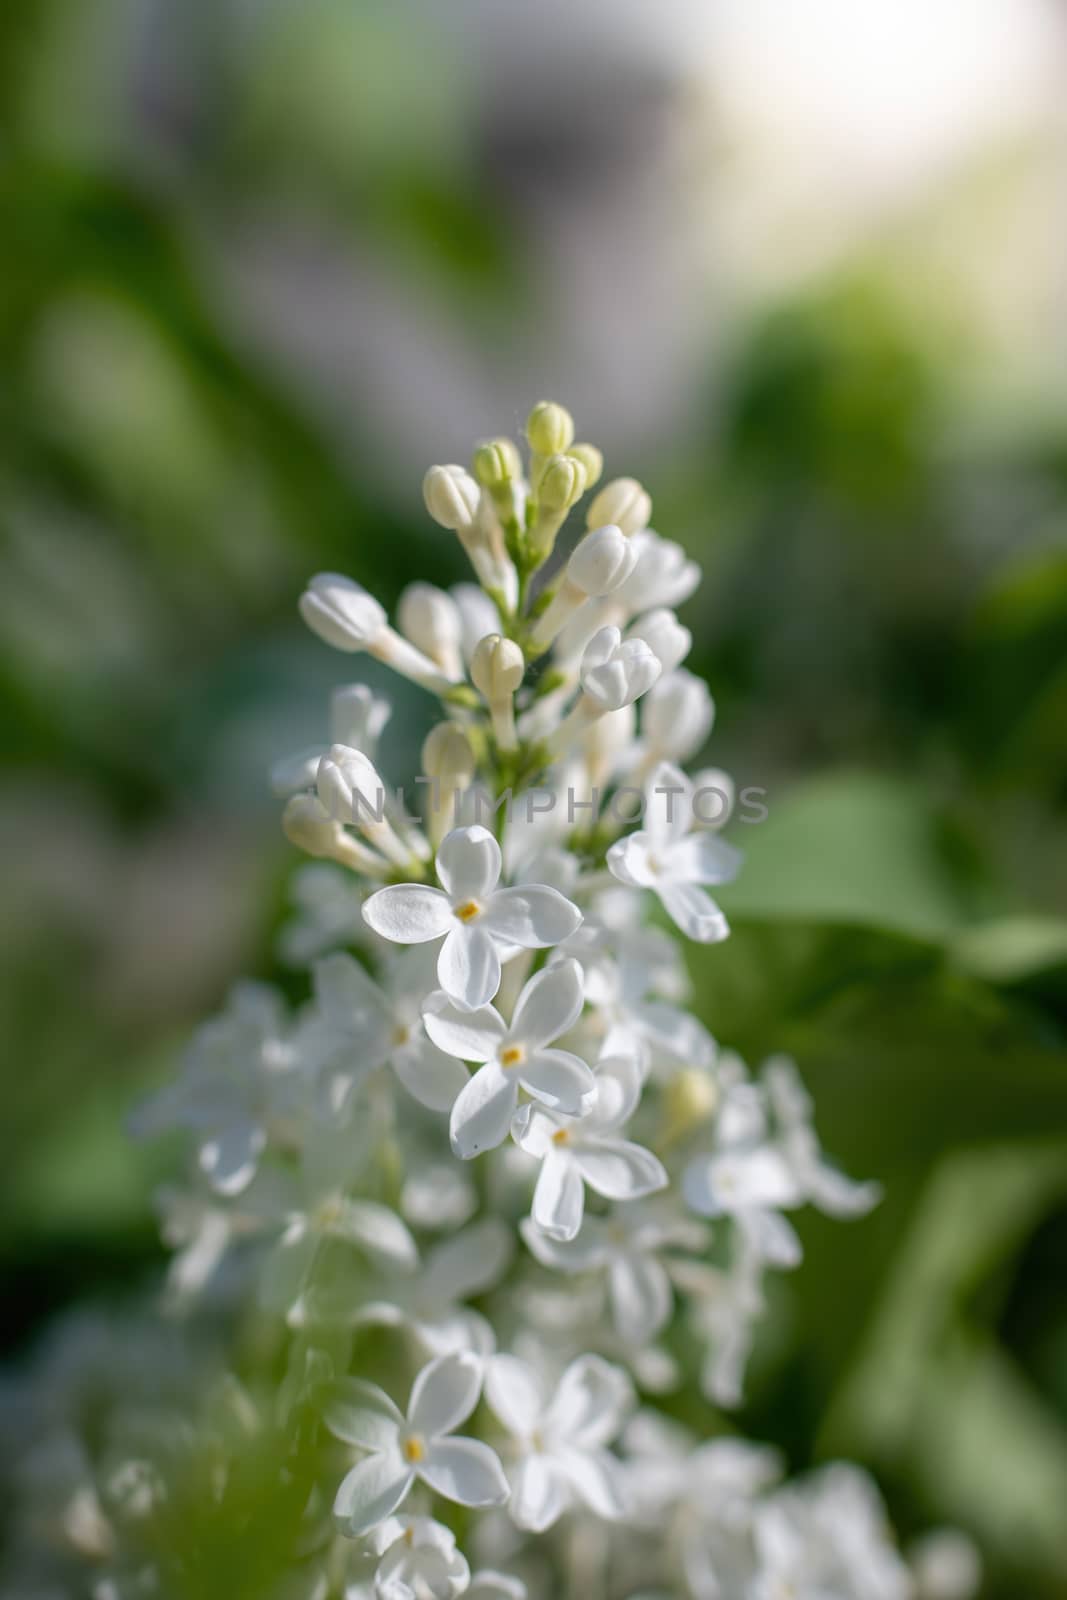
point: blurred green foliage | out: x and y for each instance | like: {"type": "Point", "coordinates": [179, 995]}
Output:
{"type": "Point", "coordinates": [884, 624]}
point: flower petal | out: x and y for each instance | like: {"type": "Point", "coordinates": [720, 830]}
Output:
{"type": "Point", "coordinates": [628, 860]}
{"type": "Point", "coordinates": [591, 1403]}
{"type": "Point", "coordinates": [620, 1170]}
{"type": "Point", "coordinates": [372, 1491]}
{"type": "Point", "coordinates": [557, 1078]}
{"type": "Point", "coordinates": [430, 1076]}
{"type": "Point", "coordinates": [345, 991]}
{"type": "Point", "coordinates": [482, 1113]}
{"type": "Point", "coordinates": [468, 967]}
{"type": "Point", "coordinates": [549, 1005]}
{"type": "Point", "coordinates": [469, 1035]}
{"type": "Point", "coordinates": [640, 1297]}
{"type": "Point", "coordinates": [531, 916]}
{"type": "Point", "coordinates": [465, 1470]}
{"type": "Point", "coordinates": [702, 858]}
{"type": "Point", "coordinates": [596, 1479]}
{"type": "Point", "coordinates": [228, 1160]}
{"type": "Point", "coordinates": [539, 1493]}
{"type": "Point", "coordinates": [444, 1394]}
{"type": "Point", "coordinates": [668, 805]}
{"type": "Point", "coordinates": [408, 913]}
{"type": "Point", "coordinates": [695, 912]}
{"type": "Point", "coordinates": [468, 863]}
{"type": "Point", "coordinates": [378, 1231]}
{"type": "Point", "coordinates": [559, 1198]}
{"type": "Point", "coordinates": [515, 1393]}
{"type": "Point", "coordinates": [360, 1413]}
{"type": "Point", "coordinates": [728, 1183]}
{"type": "Point", "coordinates": [468, 1262]}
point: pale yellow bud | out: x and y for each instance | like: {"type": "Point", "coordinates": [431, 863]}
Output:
{"type": "Point", "coordinates": [562, 483]}
{"type": "Point", "coordinates": [497, 464]}
{"type": "Point", "coordinates": [447, 755]}
{"type": "Point", "coordinates": [690, 1099]}
{"type": "Point", "coordinates": [497, 667]}
{"type": "Point", "coordinates": [549, 428]}
{"type": "Point", "coordinates": [622, 501]}
{"type": "Point", "coordinates": [591, 460]}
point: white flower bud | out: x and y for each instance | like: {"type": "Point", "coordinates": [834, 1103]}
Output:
{"type": "Point", "coordinates": [451, 496]}
{"type": "Point", "coordinates": [616, 672]}
{"type": "Point", "coordinates": [447, 755]}
{"type": "Point", "coordinates": [624, 502]}
{"type": "Point", "coordinates": [601, 561]}
{"type": "Point", "coordinates": [357, 716]}
{"type": "Point", "coordinates": [714, 797]}
{"type": "Point", "coordinates": [662, 576]}
{"type": "Point", "coordinates": [497, 668]}
{"type": "Point", "coordinates": [310, 827]}
{"type": "Point", "coordinates": [342, 612]}
{"type": "Point", "coordinates": [430, 619]}
{"type": "Point", "coordinates": [351, 791]}
{"type": "Point", "coordinates": [478, 615]}
{"type": "Point", "coordinates": [549, 428]}
{"type": "Point", "coordinates": [666, 635]}
{"type": "Point", "coordinates": [677, 716]}
{"type": "Point", "coordinates": [448, 760]}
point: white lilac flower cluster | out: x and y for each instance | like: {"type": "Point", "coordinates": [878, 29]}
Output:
{"type": "Point", "coordinates": [494, 1162]}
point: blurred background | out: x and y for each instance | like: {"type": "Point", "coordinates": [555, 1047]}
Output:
{"type": "Point", "coordinates": [803, 270]}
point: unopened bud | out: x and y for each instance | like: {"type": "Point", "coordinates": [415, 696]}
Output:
{"type": "Point", "coordinates": [624, 502]}
{"type": "Point", "coordinates": [666, 635]}
{"type": "Point", "coordinates": [448, 761]}
{"type": "Point", "coordinates": [497, 463]}
{"type": "Point", "coordinates": [615, 671]}
{"type": "Point", "coordinates": [342, 612]}
{"type": "Point", "coordinates": [601, 561]}
{"type": "Point", "coordinates": [561, 483]}
{"type": "Point", "coordinates": [447, 755]}
{"type": "Point", "coordinates": [690, 1099]}
{"type": "Point", "coordinates": [451, 497]}
{"type": "Point", "coordinates": [310, 827]}
{"type": "Point", "coordinates": [430, 619]}
{"type": "Point", "coordinates": [497, 667]}
{"type": "Point", "coordinates": [549, 428]}
{"type": "Point", "coordinates": [591, 459]}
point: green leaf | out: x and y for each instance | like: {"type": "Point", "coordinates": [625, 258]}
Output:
{"type": "Point", "coordinates": [851, 848]}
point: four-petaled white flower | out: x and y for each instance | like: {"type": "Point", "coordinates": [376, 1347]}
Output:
{"type": "Point", "coordinates": [629, 1248]}
{"type": "Point", "coordinates": [587, 1150]}
{"type": "Point", "coordinates": [669, 858]}
{"type": "Point", "coordinates": [481, 924]}
{"type": "Point", "coordinates": [512, 1056]}
{"type": "Point", "coordinates": [561, 1437]}
{"type": "Point", "coordinates": [400, 1449]}
{"type": "Point", "coordinates": [419, 1561]}
{"type": "Point", "coordinates": [366, 1025]}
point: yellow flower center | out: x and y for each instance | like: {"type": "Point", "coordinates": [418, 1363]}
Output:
{"type": "Point", "coordinates": [401, 1034]}
{"type": "Point", "coordinates": [467, 911]}
{"type": "Point", "coordinates": [413, 1449]}
{"type": "Point", "coordinates": [561, 1136]}
{"type": "Point", "coordinates": [512, 1056]}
